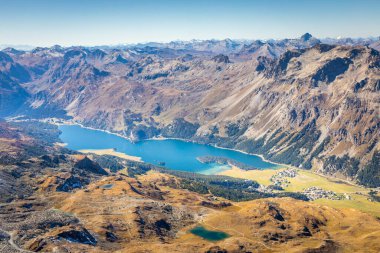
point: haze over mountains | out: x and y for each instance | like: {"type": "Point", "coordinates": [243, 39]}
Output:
{"type": "Point", "coordinates": [203, 45]}
{"type": "Point", "coordinates": [304, 102]}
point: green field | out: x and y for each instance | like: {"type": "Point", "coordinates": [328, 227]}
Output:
{"type": "Point", "coordinates": [359, 195]}
{"type": "Point", "coordinates": [304, 179]}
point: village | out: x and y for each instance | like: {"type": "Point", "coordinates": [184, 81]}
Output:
{"type": "Point", "coordinates": [281, 181]}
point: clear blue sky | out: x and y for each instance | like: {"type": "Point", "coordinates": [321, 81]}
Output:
{"type": "Point", "coordinates": [100, 22]}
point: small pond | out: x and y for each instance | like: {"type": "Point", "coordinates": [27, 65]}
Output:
{"type": "Point", "coordinates": [209, 235]}
{"type": "Point", "coordinates": [107, 186]}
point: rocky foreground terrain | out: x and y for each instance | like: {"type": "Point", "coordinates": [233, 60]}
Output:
{"type": "Point", "coordinates": [309, 103]}
{"type": "Point", "coordinates": [57, 200]}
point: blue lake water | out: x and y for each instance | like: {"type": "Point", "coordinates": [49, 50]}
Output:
{"type": "Point", "coordinates": [176, 154]}
{"type": "Point", "coordinates": [209, 234]}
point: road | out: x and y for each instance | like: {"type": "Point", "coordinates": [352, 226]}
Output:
{"type": "Point", "coordinates": [12, 242]}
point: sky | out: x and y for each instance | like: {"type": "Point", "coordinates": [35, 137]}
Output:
{"type": "Point", "coordinates": [111, 22]}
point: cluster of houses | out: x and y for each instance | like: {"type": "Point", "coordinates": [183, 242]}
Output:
{"type": "Point", "coordinates": [314, 193]}
{"type": "Point", "coordinates": [279, 179]}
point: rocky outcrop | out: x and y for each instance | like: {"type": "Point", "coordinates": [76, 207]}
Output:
{"type": "Point", "coordinates": [180, 128]}
{"type": "Point", "coordinates": [215, 205]}
{"type": "Point", "coordinates": [78, 236]}
{"type": "Point", "coordinates": [284, 60]}
{"type": "Point", "coordinates": [162, 221]}
{"type": "Point", "coordinates": [329, 72]}
{"type": "Point", "coordinates": [70, 184]}
{"type": "Point", "coordinates": [221, 58]}
{"type": "Point", "coordinates": [88, 165]}
{"type": "Point", "coordinates": [306, 37]}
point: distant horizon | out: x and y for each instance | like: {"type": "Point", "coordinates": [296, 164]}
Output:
{"type": "Point", "coordinates": [17, 47]}
{"type": "Point", "coordinates": [99, 22]}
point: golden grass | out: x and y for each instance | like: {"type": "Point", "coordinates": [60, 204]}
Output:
{"type": "Point", "coordinates": [124, 171]}
{"type": "Point", "coordinates": [97, 207]}
{"type": "Point", "coordinates": [261, 176]}
{"type": "Point", "coordinates": [347, 227]}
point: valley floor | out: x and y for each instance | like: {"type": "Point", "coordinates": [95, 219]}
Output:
{"type": "Point", "coordinates": [359, 198]}
{"type": "Point", "coordinates": [353, 196]}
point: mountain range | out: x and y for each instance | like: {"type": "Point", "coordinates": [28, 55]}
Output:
{"type": "Point", "coordinates": [311, 103]}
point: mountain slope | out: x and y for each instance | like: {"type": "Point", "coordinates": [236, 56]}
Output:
{"type": "Point", "coordinates": [12, 95]}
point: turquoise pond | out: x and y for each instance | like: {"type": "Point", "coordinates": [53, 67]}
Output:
{"type": "Point", "coordinates": [209, 234]}
{"type": "Point", "coordinates": [175, 154]}
{"type": "Point", "coordinates": [107, 186]}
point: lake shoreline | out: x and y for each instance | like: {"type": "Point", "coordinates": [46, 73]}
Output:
{"type": "Point", "coordinates": [216, 146]}
{"type": "Point", "coordinates": [110, 151]}
{"type": "Point", "coordinates": [59, 122]}
{"type": "Point", "coordinates": [56, 121]}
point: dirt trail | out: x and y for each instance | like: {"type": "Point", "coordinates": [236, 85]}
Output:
{"type": "Point", "coordinates": [12, 243]}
